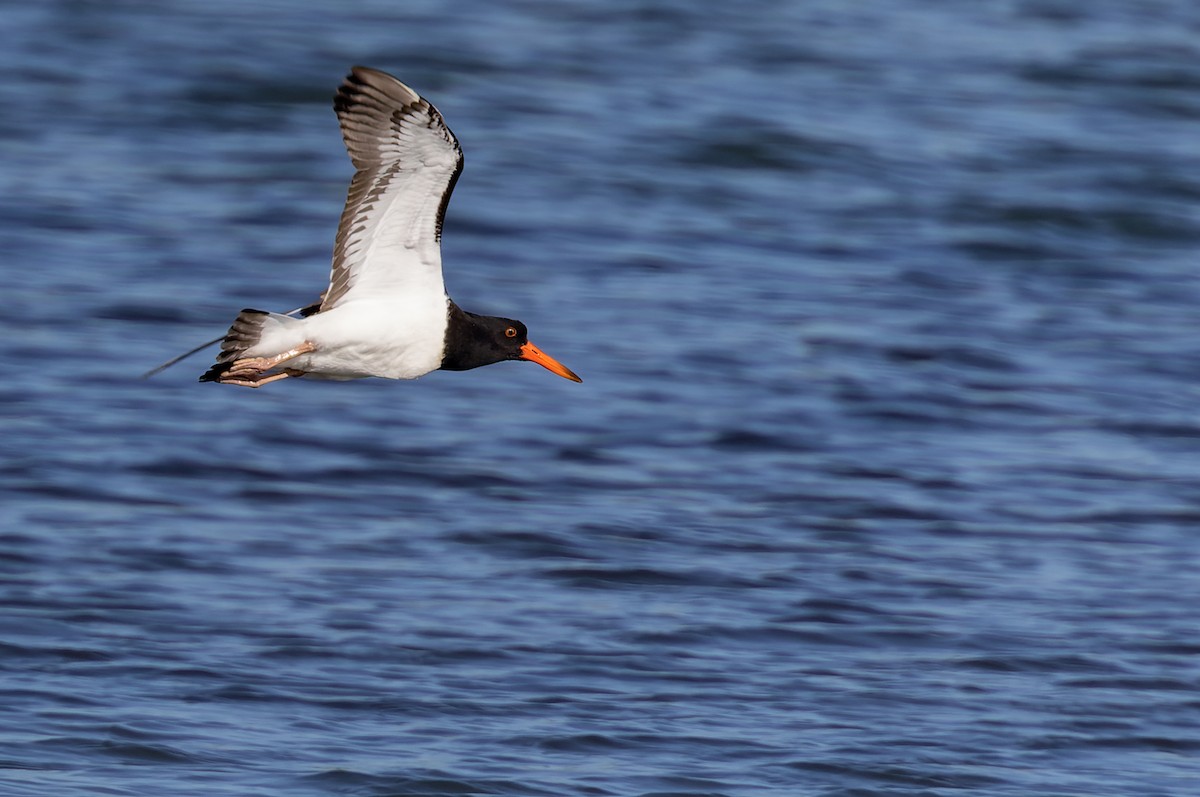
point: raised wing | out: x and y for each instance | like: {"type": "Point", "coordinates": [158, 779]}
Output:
{"type": "Point", "coordinates": [388, 240]}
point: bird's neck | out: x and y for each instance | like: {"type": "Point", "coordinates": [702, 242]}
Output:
{"type": "Point", "coordinates": [466, 341]}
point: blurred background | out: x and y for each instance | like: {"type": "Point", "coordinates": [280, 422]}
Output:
{"type": "Point", "coordinates": [882, 479]}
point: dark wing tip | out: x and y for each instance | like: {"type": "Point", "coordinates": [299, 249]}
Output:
{"type": "Point", "coordinates": [369, 105]}
{"type": "Point", "coordinates": [379, 91]}
{"type": "Point", "coordinates": [372, 107]}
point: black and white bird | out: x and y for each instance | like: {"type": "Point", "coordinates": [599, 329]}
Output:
{"type": "Point", "coordinates": [386, 312]}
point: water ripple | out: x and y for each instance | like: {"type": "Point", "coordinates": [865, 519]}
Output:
{"type": "Point", "coordinates": [882, 479]}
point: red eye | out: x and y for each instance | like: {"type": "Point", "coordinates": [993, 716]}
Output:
{"type": "Point", "coordinates": [511, 332]}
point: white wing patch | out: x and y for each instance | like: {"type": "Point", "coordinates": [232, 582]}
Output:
{"type": "Point", "coordinates": [389, 237]}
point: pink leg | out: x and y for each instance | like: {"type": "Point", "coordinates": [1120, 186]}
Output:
{"type": "Point", "coordinates": [258, 379]}
{"type": "Point", "coordinates": [261, 364]}
{"type": "Point", "coordinates": [252, 371]}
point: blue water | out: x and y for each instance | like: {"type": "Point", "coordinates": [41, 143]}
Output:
{"type": "Point", "coordinates": [883, 479]}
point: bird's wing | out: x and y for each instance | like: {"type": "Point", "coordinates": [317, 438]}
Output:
{"type": "Point", "coordinates": [388, 240]}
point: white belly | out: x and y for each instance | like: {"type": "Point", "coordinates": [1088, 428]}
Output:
{"type": "Point", "coordinates": [393, 340]}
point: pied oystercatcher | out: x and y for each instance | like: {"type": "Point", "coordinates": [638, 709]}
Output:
{"type": "Point", "coordinates": [386, 312]}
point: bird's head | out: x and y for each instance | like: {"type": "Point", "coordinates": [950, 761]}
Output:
{"type": "Point", "coordinates": [518, 347]}
{"type": "Point", "coordinates": [479, 340]}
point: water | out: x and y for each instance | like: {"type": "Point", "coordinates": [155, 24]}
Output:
{"type": "Point", "coordinates": [883, 478]}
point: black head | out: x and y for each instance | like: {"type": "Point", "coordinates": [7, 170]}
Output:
{"type": "Point", "coordinates": [476, 340]}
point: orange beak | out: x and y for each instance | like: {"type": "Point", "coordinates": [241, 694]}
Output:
{"type": "Point", "coordinates": [535, 355]}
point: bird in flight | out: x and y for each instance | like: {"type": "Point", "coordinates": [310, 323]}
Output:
{"type": "Point", "coordinates": [386, 312]}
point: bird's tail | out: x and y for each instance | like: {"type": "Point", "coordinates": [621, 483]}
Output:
{"type": "Point", "coordinates": [249, 329]}
{"type": "Point", "coordinates": [304, 312]}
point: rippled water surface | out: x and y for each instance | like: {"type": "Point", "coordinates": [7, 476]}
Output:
{"type": "Point", "coordinates": [883, 478]}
